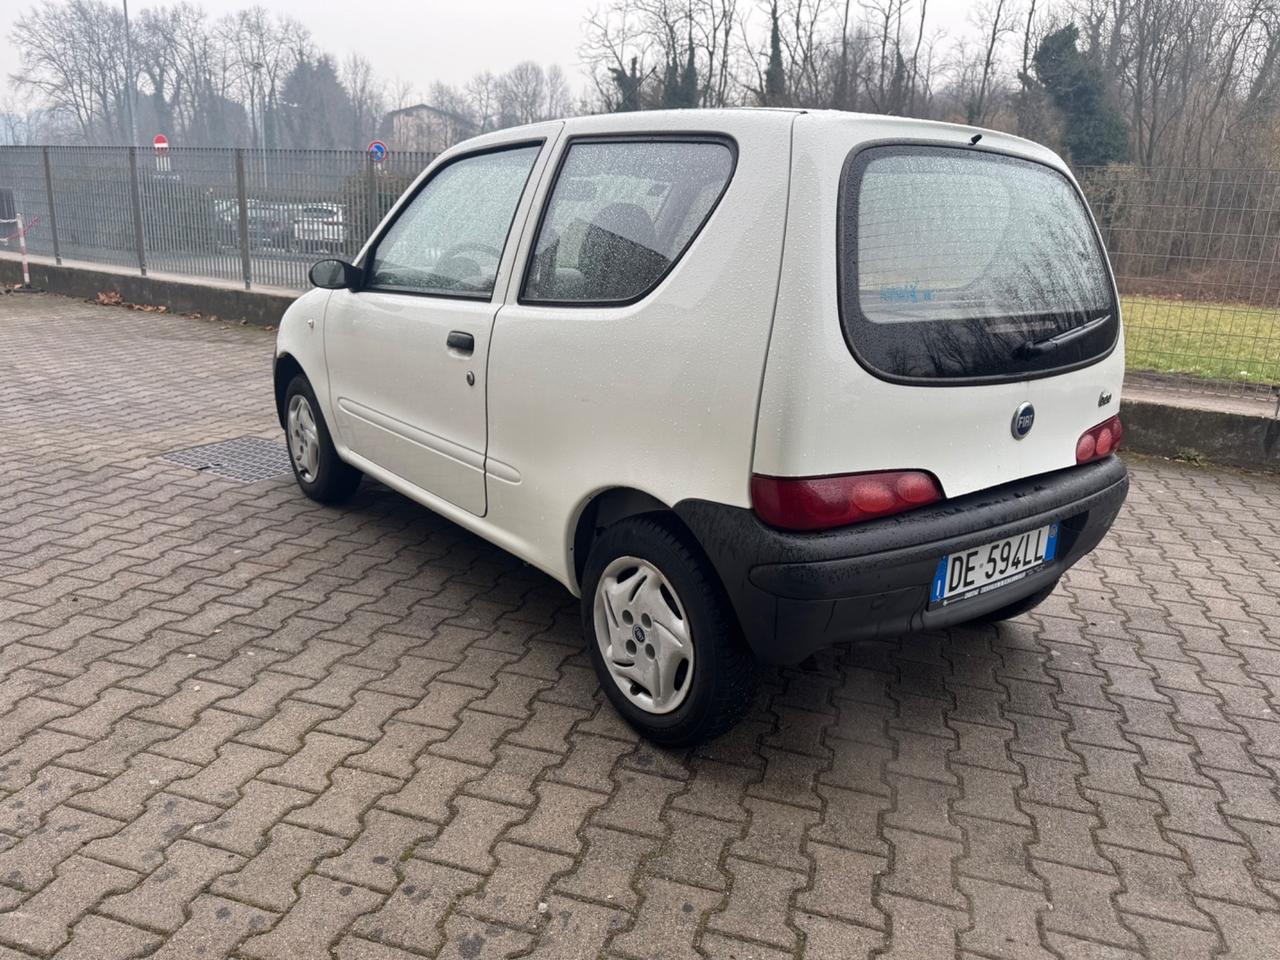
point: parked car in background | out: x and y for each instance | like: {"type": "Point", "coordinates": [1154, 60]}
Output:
{"type": "Point", "coordinates": [319, 228]}
{"type": "Point", "coordinates": [750, 383]}
{"type": "Point", "coordinates": [269, 224]}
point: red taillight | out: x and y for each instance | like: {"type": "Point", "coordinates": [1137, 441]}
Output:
{"type": "Point", "coordinates": [816, 503]}
{"type": "Point", "coordinates": [1100, 441]}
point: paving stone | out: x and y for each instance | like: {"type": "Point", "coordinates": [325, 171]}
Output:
{"type": "Point", "coordinates": [1084, 904]}
{"type": "Point", "coordinates": [997, 851]}
{"type": "Point", "coordinates": [1004, 921]}
{"type": "Point", "coordinates": [412, 915]}
{"type": "Point", "coordinates": [827, 939]}
{"type": "Point", "coordinates": [637, 803]}
{"type": "Point", "coordinates": [667, 922]}
{"type": "Point", "coordinates": [23, 811]}
{"type": "Point", "coordinates": [921, 931]}
{"type": "Point", "coordinates": [243, 827]}
{"type": "Point", "coordinates": [160, 901]}
{"type": "Point", "coordinates": [268, 880]}
{"type": "Point", "coordinates": [921, 868]}
{"type": "Point", "coordinates": [43, 923]}
{"type": "Point", "coordinates": [512, 773]}
{"type": "Point", "coordinates": [31, 862]}
{"type": "Point", "coordinates": [341, 808]}
{"type": "Point", "coordinates": [775, 834]}
{"type": "Point", "coordinates": [513, 891]}
{"type": "Point", "coordinates": [98, 938]}
{"type": "Point", "coordinates": [467, 839]}
{"type": "Point", "coordinates": [433, 787]}
{"type": "Point", "coordinates": [605, 873]}
{"type": "Point", "coordinates": [323, 910]}
{"type": "Point", "coordinates": [843, 886]}
{"type": "Point", "coordinates": [1153, 886]}
{"type": "Point", "coordinates": [574, 929]}
{"type": "Point", "coordinates": [557, 819]}
{"type": "Point", "coordinates": [213, 929]}
{"type": "Point", "coordinates": [1249, 934]}
{"type": "Point", "coordinates": [141, 844]}
{"type": "Point", "coordinates": [312, 767]}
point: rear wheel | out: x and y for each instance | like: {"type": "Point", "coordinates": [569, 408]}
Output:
{"type": "Point", "coordinates": [662, 637]}
{"type": "Point", "coordinates": [1018, 607]}
{"type": "Point", "coordinates": [321, 473]}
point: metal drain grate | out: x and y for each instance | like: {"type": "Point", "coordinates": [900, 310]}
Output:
{"type": "Point", "coordinates": [246, 459]}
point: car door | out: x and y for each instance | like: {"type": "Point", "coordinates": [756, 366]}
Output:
{"type": "Point", "coordinates": [407, 351]}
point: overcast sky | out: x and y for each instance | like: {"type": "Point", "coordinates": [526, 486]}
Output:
{"type": "Point", "coordinates": [426, 40]}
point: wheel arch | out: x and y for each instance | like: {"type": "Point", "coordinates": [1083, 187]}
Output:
{"type": "Point", "coordinates": [286, 367]}
{"type": "Point", "coordinates": [607, 507]}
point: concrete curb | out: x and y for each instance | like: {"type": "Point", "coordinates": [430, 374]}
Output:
{"type": "Point", "coordinates": [1233, 437]}
{"type": "Point", "coordinates": [179, 295]}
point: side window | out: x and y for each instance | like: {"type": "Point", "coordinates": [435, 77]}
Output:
{"type": "Point", "coordinates": [449, 239]}
{"type": "Point", "coordinates": [620, 214]}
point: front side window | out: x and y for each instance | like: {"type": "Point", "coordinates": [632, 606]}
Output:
{"type": "Point", "coordinates": [449, 239]}
{"type": "Point", "coordinates": [961, 264]}
{"type": "Point", "coordinates": [621, 214]}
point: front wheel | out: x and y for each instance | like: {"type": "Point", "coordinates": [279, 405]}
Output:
{"type": "Point", "coordinates": [662, 637]}
{"type": "Point", "coordinates": [321, 474]}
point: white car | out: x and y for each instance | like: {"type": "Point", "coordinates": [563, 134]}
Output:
{"type": "Point", "coordinates": [319, 227]}
{"type": "Point", "coordinates": [750, 383]}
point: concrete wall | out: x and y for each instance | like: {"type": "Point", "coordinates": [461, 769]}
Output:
{"type": "Point", "coordinates": [259, 307]}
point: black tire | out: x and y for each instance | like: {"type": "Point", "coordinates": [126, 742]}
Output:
{"type": "Point", "coordinates": [1018, 607]}
{"type": "Point", "coordinates": [334, 480]}
{"type": "Point", "coordinates": [722, 680]}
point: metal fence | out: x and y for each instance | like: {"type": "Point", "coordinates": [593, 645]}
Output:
{"type": "Point", "coordinates": [1197, 258]}
{"type": "Point", "coordinates": [255, 216]}
{"type": "Point", "coordinates": [1196, 251]}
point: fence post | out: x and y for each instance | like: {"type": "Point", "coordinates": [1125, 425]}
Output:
{"type": "Point", "coordinates": [371, 194]}
{"type": "Point", "coordinates": [242, 202]}
{"type": "Point", "coordinates": [136, 196]}
{"type": "Point", "coordinates": [53, 216]}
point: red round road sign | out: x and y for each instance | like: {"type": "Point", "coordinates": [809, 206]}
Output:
{"type": "Point", "coordinates": [161, 143]}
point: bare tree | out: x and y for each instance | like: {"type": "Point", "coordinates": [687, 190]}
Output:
{"type": "Point", "coordinates": [368, 98]}
{"type": "Point", "coordinates": [997, 19]}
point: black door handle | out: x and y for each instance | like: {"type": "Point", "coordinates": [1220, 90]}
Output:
{"type": "Point", "coordinates": [460, 341]}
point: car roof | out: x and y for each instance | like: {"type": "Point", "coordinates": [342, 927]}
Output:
{"type": "Point", "coordinates": [855, 128]}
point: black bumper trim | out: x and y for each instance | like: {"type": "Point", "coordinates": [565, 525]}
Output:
{"type": "Point", "coordinates": [795, 593]}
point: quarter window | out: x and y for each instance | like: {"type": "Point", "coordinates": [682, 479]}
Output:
{"type": "Point", "coordinates": [449, 239]}
{"type": "Point", "coordinates": [621, 214]}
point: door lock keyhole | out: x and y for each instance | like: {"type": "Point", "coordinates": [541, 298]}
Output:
{"type": "Point", "coordinates": [471, 378]}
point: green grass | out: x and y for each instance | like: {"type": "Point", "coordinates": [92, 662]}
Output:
{"type": "Point", "coordinates": [1219, 341]}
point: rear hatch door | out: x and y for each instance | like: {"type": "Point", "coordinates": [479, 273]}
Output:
{"type": "Point", "coordinates": [943, 307]}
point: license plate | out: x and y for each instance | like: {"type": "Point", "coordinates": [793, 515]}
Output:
{"type": "Point", "coordinates": [992, 566]}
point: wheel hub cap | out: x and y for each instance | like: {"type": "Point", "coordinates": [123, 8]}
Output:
{"type": "Point", "coordinates": [304, 440]}
{"type": "Point", "coordinates": [644, 636]}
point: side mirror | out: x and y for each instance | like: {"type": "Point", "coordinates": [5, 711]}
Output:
{"type": "Point", "coordinates": [334, 275]}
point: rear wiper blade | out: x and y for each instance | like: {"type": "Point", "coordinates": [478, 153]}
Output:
{"type": "Point", "coordinates": [1035, 348]}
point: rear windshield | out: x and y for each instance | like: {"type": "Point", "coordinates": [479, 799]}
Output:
{"type": "Point", "coordinates": [957, 264]}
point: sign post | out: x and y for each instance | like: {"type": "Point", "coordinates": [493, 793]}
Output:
{"type": "Point", "coordinates": [161, 144]}
{"type": "Point", "coordinates": [21, 236]}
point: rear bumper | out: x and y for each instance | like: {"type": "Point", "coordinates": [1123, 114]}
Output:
{"type": "Point", "coordinates": [796, 593]}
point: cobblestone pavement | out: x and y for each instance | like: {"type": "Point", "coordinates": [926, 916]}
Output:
{"type": "Point", "coordinates": [235, 723]}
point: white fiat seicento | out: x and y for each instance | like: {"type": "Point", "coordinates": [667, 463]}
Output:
{"type": "Point", "coordinates": [749, 382]}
